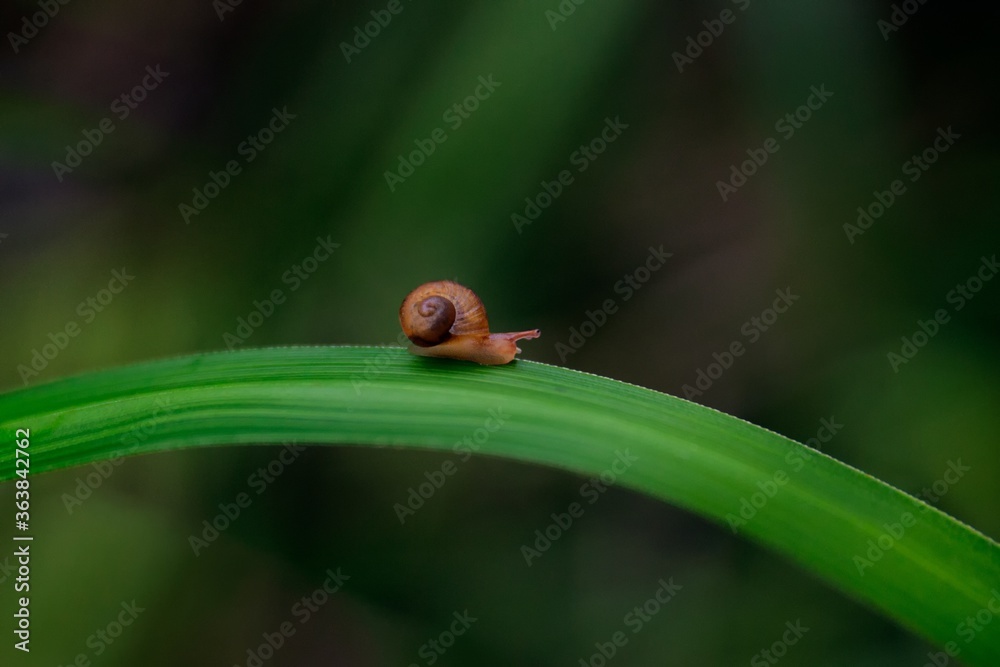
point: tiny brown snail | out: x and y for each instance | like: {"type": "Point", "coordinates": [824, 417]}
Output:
{"type": "Point", "coordinates": [444, 319]}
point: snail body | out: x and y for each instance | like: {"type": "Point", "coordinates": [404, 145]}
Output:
{"type": "Point", "coordinates": [446, 320]}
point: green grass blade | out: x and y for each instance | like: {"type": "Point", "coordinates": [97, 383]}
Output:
{"type": "Point", "coordinates": [937, 574]}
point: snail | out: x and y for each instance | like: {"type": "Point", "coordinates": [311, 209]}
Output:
{"type": "Point", "coordinates": [444, 319]}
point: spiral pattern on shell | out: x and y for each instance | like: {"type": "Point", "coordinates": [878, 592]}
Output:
{"type": "Point", "coordinates": [436, 311]}
{"type": "Point", "coordinates": [437, 314]}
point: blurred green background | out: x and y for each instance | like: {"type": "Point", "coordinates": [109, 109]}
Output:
{"type": "Point", "coordinates": [558, 73]}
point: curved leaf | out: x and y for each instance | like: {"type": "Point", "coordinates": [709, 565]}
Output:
{"type": "Point", "coordinates": [927, 570]}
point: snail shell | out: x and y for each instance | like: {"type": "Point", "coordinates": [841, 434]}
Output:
{"type": "Point", "coordinates": [444, 319]}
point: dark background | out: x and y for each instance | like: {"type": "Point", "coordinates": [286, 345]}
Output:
{"type": "Point", "coordinates": [656, 184]}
